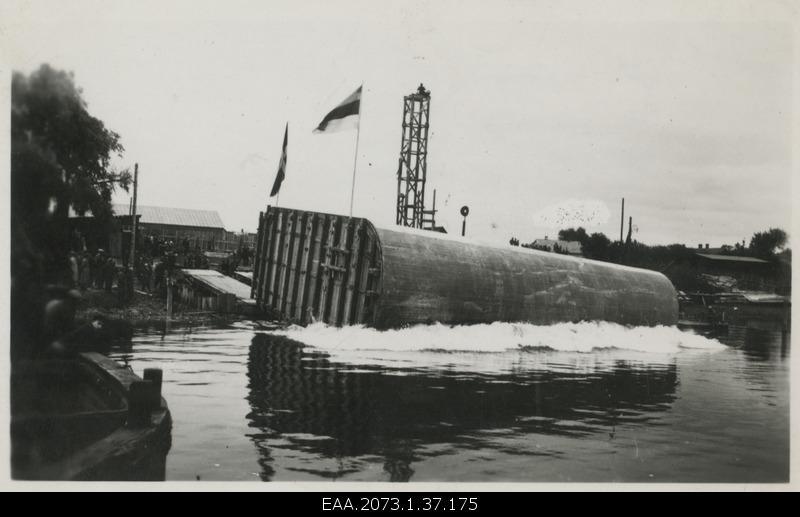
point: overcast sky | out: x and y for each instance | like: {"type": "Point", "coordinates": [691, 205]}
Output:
{"type": "Point", "coordinates": [541, 116]}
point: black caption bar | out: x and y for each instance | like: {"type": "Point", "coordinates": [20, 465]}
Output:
{"type": "Point", "coordinates": [409, 502]}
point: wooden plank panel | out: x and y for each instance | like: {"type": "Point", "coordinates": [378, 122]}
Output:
{"type": "Point", "coordinates": [269, 272]}
{"type": "Point", "coordinates": [320, 231]}
{"type": "Point", "coordinates": [374, 284]}
{"type": "Point", "coordinates": [274, 254]}
{"type": "Point", "coordinates": [365, 261]}
{"type": "Point", "coordinates": [354, 258]}
{"type": "Point", "coordinates": [302, 281]}
{"type": "Point", "coordinates": [269, 244]}
{"type": "Point", "coordinates": [325, 272]}
{"type": "Point", "coordinates": [294, 259]}
{"type": "Point", "coordinates": [283, 273]}
{"type": "Point", "coordinates": [340, 257]}
{"type": "Point", "coordinates": [263, 269]}
{"type": "Point", "coordinates": [257, 256]}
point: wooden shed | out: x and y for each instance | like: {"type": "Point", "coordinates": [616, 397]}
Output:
{"type": "Point", "coordinates": [340, 270]}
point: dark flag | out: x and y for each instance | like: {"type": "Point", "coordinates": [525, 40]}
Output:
{"type": "Point", "coordinates": [276, 187]}
{"type": "Point", "coordinates": [343, 116]}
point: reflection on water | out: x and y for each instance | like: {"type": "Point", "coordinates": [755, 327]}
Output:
{"type": "Point", "coordinates": [262, 406]}
{"type": "Point", "coordinates": [758, 344]}
{"type": "Point", "coordinates": [346, 411]}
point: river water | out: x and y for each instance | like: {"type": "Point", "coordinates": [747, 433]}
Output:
{"type": "Point", "coordinates": [500, 402]}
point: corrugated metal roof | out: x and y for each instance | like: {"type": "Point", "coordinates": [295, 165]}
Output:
{"type": "Point", "coordinates": [766, 298]}
{"type": "Point", "coordinates": [220, 282]}
{"type": "Point", "coordinates": [732, 258]}
{"type": "Point", "coordinates": [173, 216]}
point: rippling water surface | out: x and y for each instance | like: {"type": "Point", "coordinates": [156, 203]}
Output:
{"type": "Point", "coordinates": [501, 402]}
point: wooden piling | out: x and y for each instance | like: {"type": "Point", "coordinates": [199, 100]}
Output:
{"type": "Point", "coordinates": [320, 230]}
{"type": "Point", "coordinates": [283, 272]}
{"type": "Point", "coordinates": [294, 263]}
{"type": "Point", "coordinates": [353, 260]}
{"type": "Point", "coordinates": [325, 269]}
{"type": "Point", "coordinates": [366, 259]}
{"type": "Point", "coordinates": [140, 403]}
{"type": "Point", "coordinates": [257, 257]}
{"type": "Point", "coordinates": [275, 246]}
{"type": "Point", "coordinates": [262, 274]}
{"type": "Point", "coordinates": [155, 376]}
{"type": "Point", "coordinates": [302, 283]}
{"type": "Point", "coordinates": [341, 255]}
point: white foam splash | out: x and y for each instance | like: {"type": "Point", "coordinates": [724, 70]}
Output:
{"type": "Point", "coordinates": [581, 337]}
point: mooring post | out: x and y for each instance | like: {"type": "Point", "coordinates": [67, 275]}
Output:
{"type": "Point", "coordinates": [140, 399]}
{"type": "Point", "coordinates": [154, 375]}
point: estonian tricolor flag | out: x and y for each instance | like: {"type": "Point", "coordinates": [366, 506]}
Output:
{"type": "Point", "coordinates": [276, 187]}
{"type": "Point", "coordinates": [343, 116]}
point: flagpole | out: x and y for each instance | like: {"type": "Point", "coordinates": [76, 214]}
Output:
{"type": "Point", "coordinates": [276, 187]}
{"type": "Point", "coordinates": [355, 157]}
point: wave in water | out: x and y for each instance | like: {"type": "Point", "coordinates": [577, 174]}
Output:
{"type": "Point", "coordinates": [500, 337]}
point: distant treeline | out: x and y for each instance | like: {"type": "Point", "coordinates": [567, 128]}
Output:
{"type": "Point", "coordinates": [674, 259]}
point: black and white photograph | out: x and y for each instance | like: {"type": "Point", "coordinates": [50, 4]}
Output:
{"type": "Point", "coordinates": [399, 245]}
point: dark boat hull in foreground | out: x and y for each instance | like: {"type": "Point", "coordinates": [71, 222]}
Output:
{"type": "Point", "coordinates": [86, 418]}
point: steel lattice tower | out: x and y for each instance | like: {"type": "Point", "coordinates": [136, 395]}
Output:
{"type": "Point", "coordinates": [412, 167]}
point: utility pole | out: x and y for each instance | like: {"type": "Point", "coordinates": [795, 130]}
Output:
{"type": "Point", "coordinates": [133, 215]}
{"type": "Point", "coordinates": [622, 221]}
{"type": "Point", "coordinates": [630, 231]}
{"type": "Point", "coordinates": [129, 273]}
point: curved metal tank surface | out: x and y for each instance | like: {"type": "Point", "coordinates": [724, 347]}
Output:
{"type": "Point", "coordinates": [341, 270]}
{"type": "Point", "coordinates": [430, 277]}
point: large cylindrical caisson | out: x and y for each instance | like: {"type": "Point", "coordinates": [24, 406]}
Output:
{"type": "Point", "coordinates": [341, 270]}
{"type": "Point", "coordinates": [430, 277]}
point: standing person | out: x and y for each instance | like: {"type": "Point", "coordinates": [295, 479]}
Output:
{"type": "Point", "coordinates": [151, 273]}
{"type": "Point", "coordinates": [125, 283]}
{"type": "Point", "coordinates": [74, 269]}
{"type": "Point", "coordinates": [147, 278]}
{"type": "Point", "coordinates": [158, 277]}
{"type": "Point", "coordinates": [86, 272]}
{"type": "Point", "coordinates": [98, 268]}
{"type": "Point", "coordinates": [109, 273]}
{"type": "Point", "coordinates": [122, 286]}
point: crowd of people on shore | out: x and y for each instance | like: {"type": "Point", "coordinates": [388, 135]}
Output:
{"type": "Point", "coordinates": [156, 257]}
{"type": "Point", "coordinates": [87, 270]}
{"type": "Point", "coordinates": [46, 294]}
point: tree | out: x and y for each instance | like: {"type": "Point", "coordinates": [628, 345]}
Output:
{"type": "Point", "coordinates": [60, 159]}
{"type": "Point", "coordinates": [597, 247]}
{"type": "Point", "coordinates": [764, 244]}
{"type": "Point", "coordinates": [572, 234]}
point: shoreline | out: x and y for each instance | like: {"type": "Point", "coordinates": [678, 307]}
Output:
{"type": "Point", "coordinates": [145, 310]}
